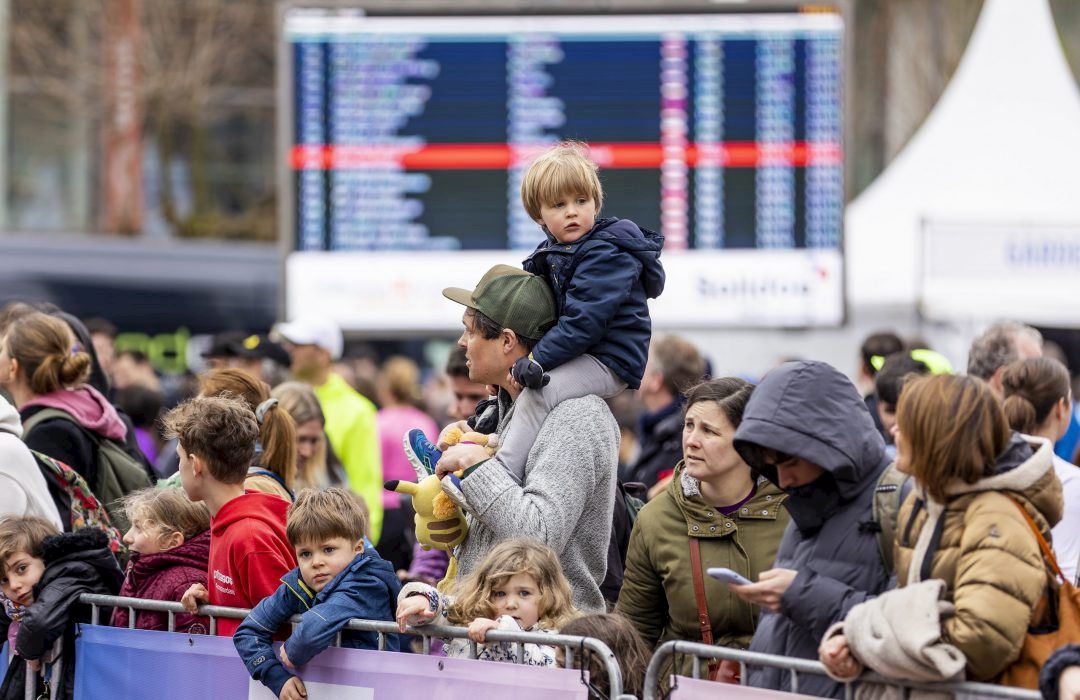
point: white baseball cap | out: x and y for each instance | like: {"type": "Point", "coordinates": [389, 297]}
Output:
{"type": "Point", "coordinates": [314, 330]}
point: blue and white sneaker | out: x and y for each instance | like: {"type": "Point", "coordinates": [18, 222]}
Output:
{"type": "Point", "coordinates": [422, 454]}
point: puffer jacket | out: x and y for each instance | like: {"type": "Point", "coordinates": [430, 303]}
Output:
{"type": "Point", "coordinates": [601, 284]}
{"type": "Point", "coordinates": [658, 587]}
{"type": "Point", "coordinates": [979, 543]}
{"type": "Point", "coordinates": [166, 576]}
{"type": "Point", "coordinates": [811, 410]}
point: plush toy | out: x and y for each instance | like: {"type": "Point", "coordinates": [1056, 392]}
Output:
{"type": "Point", "coordinates": [439, 528]}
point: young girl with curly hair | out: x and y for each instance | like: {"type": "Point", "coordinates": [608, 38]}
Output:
{"type": "Point", "coordinates": [519, 586]}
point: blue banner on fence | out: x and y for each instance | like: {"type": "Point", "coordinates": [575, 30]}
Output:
{"type": "Point", "coordinates": [125, 664]}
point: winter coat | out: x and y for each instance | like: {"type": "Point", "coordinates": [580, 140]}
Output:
{"type": "Point", "coordinates": [658, 587]}
{"type": "Point", "coordinates": [812, 411]}
{"type": "Point", "coordinates": [532, 654]}
{"type": "Point", "coordinates": [985, 552]}
{"type": "Point", "coordinates": [166, 576]}
{"type": "Point", "coordinates": [899, 635]}
{"type": "Point", "coordinates": [661, 445]}
{"type": "Point", "coordinates": [69, 443]}
{"type": "Point", "coordinates": [23, 490]}
{"type": "Point", "coordinates": [601, 284]}
{"type": "Point", "coordinates": [75, 563]}
{"type": "Point", "coordinates": [367, 589]}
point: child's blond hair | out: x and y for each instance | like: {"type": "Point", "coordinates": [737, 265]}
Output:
{"type": "Point", "coordinates": [474, 594]}
{"type": "Point", "coordinates": [168, 511]}
{"type": "Point", "coordinates": [562, 169]}
{"type": "Point", "coordinates": [23, 534]}
{"type": "Point", "coordinates": [320, 515]}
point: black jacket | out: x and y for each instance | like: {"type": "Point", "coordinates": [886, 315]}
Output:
{"type": "Point", "coordinates": [75, 563]}
{"type": "Point", "coordinates": [601, 283]}
{"type": "Point", "coordinates": [810, 410]}
{"type": "Point", "coordinates": [661, 447]}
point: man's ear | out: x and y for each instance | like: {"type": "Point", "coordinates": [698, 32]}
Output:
{"type": "Point", "coordinates": [359, 545]}
{"type": "Point", "coordinates": [509, 340]}
{"type": "Point", "coordinates": [198, 465]}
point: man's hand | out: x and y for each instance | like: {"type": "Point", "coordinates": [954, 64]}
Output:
{"type": "Point", "coordinates": [479, 628]}
{"type": "Point", "coordinates": [190, 600]}
{"type": "Point", "coordinates": [412, 607]}
{"type": "Point", "coordinates": [769, 589]}
{"type": "Point", "coordinates": [1069, 684]}
{"type": "Point", "coordinates": [528, 373]}
{"type": "Point", "coordinates": [460, 457]}
{"type": "Point", "coordinates": [293, 690]}
{"type": "Point", "coordinates": [285, 659]}
{"type": "Point", "coordinates": [835, 654]}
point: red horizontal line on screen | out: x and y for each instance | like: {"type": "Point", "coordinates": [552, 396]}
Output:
{"type": "Point", "coordinates": [500, 156]}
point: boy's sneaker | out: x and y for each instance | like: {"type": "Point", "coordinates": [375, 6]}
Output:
{"type": "Point", "coordinates": [421, 452]}
{"type": "Point", "coordinates": [451, 486]}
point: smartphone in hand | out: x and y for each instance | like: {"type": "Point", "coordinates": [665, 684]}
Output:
{"type": "Point", "coordinates": [725, 575]}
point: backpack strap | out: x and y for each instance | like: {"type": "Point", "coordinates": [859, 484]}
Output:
{"type": "Point", "coordinates": [892, 487]}
{"type": "Point", "coordinates": [1047, 552]}
{"type": "Point", "coordinates": [704, 621]}
{"type": "Point", "coordinates": [44, 415]}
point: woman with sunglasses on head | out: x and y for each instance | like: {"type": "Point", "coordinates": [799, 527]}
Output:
{"type": "Point", "coordinates": [714, 513]}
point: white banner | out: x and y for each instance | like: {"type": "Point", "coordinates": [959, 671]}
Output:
{"type": "Point", "coordinates": [1024, 271]}
{"type": "Point", "coordinates": [402, 292]}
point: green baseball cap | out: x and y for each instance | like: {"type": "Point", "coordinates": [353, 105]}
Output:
{"type": "Point", "coordinates": [511, 297]}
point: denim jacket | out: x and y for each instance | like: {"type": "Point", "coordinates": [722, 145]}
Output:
{"type": "Point", "coordinates": [367, 589]}
{"type": "Point", "coordinates": [601, 284]}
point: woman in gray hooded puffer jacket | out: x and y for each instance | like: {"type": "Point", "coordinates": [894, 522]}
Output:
{"type": "Point", "coordinates": [807, 430]}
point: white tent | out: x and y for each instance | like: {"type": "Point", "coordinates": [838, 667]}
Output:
{"type": "Point", "coordinates": [985, 197]}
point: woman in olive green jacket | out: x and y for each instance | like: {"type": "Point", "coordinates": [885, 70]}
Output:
{"type": "Point", "coordinates": [713, 498]}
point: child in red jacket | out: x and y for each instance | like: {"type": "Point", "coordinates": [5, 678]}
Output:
{"type": "Point", "coordinates": [169, 540]}
{"type": "Point", "coordinates": [249, 552]}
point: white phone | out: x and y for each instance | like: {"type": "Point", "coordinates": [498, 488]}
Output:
{"type": "Point", "coordinates": [725, 575]}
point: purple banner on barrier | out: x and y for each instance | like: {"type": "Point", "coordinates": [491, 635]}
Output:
{"type": "Point", "coordinates": [693, 689]}
{"type": "Point", "coordinates": [124, 664]}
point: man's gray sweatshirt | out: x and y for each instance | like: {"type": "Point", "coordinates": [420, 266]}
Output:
{"type": "Point", "coordinates": [565, 500]}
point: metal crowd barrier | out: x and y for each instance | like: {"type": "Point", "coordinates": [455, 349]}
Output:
{"type": "Point", "coordinates": [570, 644]}
{"type": "Point", "coordinates": [700, 651]}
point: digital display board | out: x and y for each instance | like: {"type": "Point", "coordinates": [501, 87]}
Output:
{"type": "Point", "coordinates": [723, 132]}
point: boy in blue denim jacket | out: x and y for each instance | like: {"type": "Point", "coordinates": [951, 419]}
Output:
{"type": "Point", "coordinates": [339, 578]}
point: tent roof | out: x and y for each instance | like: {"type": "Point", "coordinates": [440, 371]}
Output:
{"type": "Point", "coordinates": [998, 148]}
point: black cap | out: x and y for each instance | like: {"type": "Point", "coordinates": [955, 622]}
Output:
{"type": "Point", "coordinates": [251, 346]}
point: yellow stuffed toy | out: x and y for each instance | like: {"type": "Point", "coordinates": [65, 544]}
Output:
{"type": "Point", "coordinates": [440, 524]}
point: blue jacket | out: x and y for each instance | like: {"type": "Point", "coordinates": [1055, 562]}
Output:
{"type": "Point", "coordinates": [367, 589]}
{"type": "Point", "coordinates": [601, 283]}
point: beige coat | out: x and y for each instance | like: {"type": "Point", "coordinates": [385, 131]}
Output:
{"type": "Point", "coordinates": [987, 555]}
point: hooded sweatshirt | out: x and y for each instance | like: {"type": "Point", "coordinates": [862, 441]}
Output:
{"type": "Point", "coordinates": [249, 553]}
{"type": "Point", "coordinates": [166, 576]}
{"type": "Point", "coordinates": [811, 410]}
{"type": "Point", "coordinates": [66, 442]}
{"type": "Point", "coordinates": [23, 490]}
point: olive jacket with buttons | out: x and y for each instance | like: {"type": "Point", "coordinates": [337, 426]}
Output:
{"type": "Point", "coordinates": [658, 587]}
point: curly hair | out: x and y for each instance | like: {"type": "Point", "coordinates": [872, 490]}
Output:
{"type": "Point", "coordinates": [473, 596]}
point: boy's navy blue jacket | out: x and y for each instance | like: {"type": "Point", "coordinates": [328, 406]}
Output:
{"type": "Point", "coordinates": [601, 283]}
{"type": "Point", "coordinates": [366, 589]}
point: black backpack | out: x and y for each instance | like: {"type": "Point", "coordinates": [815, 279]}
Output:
{"type": "Point", "coordinates": [628, 502]}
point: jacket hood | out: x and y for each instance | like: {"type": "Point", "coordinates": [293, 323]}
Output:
{"type": "Point", "coordinates": [254, 504]}
{"type": "Point", "coordinates": [1025, 467]}
{"type": "Point", "coordinates": [9, 419]}
{"type": "Point", "coordinates": [194, 553]}
{"type": "Point", "coordinates": [643, 244]}
{"type": "Point", "coordinates": [811, 410]}
{"type": "Point", "coordinates": [89, 406]}
{"type": "Point", "coordinates": [685, 492]}
{"type": "Point", "coordinates": [88, 545]}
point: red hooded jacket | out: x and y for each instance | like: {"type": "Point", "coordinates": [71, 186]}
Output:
{"type": "Point", "coordinates": [249, 553]}
{"type": "Point", "coordinates": [165, 576]}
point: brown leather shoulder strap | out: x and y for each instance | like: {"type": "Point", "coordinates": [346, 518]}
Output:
{"type": "Point", "coordinates": [704, 621]}
{"type": "Point", "coordinates": [1048, 553]}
